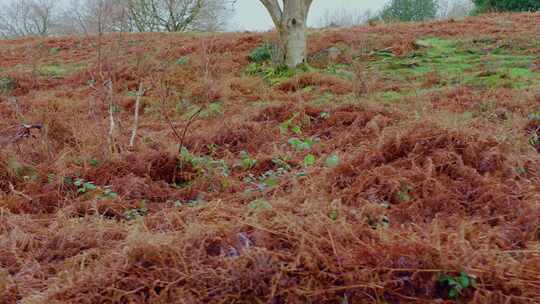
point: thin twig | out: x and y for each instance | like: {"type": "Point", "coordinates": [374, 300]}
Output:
{"type": "Point", "coordinates": [19, 193]}
{"type": "Point", "coordinates": [140, 93]}
{"type": "Point", "coordinates": [191, 120]}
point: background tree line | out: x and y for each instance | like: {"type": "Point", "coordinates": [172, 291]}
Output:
{"type": "Point", "coordinates": [49, 17]}
{"type": "Point", "coordinates": [422, 10]}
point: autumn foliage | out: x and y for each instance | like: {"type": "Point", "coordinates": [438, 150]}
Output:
{"type": "Point", "coordinates": [345, 183]}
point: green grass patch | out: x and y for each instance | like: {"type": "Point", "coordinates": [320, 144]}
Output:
{"type": "Point", "coordinates": [6, 84]}
{"type": "Point", "coordinates": [477, 64]}
{"type": "Point", "coordinates": [275, 75]}
{"type": "Point", "coordinates": [56, 70]}
{"type": "Point", "coordinates": [391, 96]}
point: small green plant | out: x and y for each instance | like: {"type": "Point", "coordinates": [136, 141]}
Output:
{"type": "Point", "coordinates": [182, 60]}
{"type": "Point", "coordinates": [282, 163]}
{"type": "Point", "coordinates": [521, 171]}
{"type": "Point", "coordinates": [339, 70]}
{"type": "Point", "coordinates": [324, 115]}
{"type": "Point", "coordinates": [51, 178]}
{"type": "Point", "coordinates": [456, 284]}
{"type": "Point", "coordinates": [534, 140]}
{"type": "Point", "coordinates": [247, 161]}
{"type": "Point", "coordinates": [53, 70]}
{"type": "Point", "coordinates": [381, 222]}
{"type": "Point", "coordinates": [332, 161]}
{"type": "Point", "coordinates": [272, 75]}
{"type": "Point", "coordinates": [108, 193]}
{"type": "Point", "coordinates": [94, 162]}
{"type": "Point", "coordinates": [206, 166]}
{"type": "Point", "coordinates": [301, 144]}
{"type": "Point", "coordinates": [261, 54]}
{"type": "Point", "coordinates": [534, 116]}
{"type": "Point", "coordinates": [6, 84]}
{"type": "Point", "coordinates": [267, 180]}
{"type": "Point", "coordinates": [333, 215]}
{"type": "Point", "coordinates": [287, 125]}
{"type": "Point", "coordinates": [190, 203]}
{"type": "Point", "coordinates": [213, 109]}
{"type": "Point", "coordinates": [404, 194]}
{"type": "Point", "coordinates": [84, 186]}
{"type": "Point", "coordinates": [309, 160]}
{"type": "Point", "coordinates": [135, 213]}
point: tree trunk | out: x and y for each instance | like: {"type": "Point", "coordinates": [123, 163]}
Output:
{"type": "Point", "coordinates": [293, 33]}
{"type": "Point", "coordinates": [291, 26]}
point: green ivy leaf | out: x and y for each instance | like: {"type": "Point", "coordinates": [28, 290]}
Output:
{"type": "Point", "coordinates": [271, 182]}
{"type": "Point", "coordinates": [463, 280]}
{"type": "Point", "coordinates": [332, 161]}
{"type": "Point", "coordinates": [309, 160]}
{"type": "Point", "coordinates": [90, 186]}
{"type": "Point", "coordinates": [333, 215]}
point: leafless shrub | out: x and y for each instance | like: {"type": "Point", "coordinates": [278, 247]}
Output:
{"type": "Point", "coordinates": [454, 8]}
{"type": "Point", "coordinates": [344, 17]}
{"type": "Point", "coordinates": [27, 18]}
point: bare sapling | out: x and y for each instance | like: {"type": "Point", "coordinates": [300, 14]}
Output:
{"type": "Point", "coordinates": [140, 93]}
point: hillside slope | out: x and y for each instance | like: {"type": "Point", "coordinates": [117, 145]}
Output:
{"type": "Point", "coordinates": [401, 166]}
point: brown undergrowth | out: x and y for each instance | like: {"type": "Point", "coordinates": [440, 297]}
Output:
{"type": "Point", "coordinates": [337, 185]}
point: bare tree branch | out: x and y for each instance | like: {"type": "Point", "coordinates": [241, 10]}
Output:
{"type": "Point", "coordinates": [275, 11]}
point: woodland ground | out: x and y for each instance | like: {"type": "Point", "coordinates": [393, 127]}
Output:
{"type": "Point", "coordinates": [406, 169]}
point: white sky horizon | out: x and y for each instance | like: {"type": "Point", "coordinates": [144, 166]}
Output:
{"type": "Point", "coordinates": [250, 15]}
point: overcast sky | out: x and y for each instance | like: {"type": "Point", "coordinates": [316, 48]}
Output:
{"type": "Point", "coordinates": [251, 14]}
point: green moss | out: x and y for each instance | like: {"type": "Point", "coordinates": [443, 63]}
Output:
{"type": "Point", "coordinates": [56, 70]}
{"type": "Point", "coordinates": [391, 96]}
{"type": "Point", "coordinates": [6, 84]}
{"type": "Point", "coordinates": [275, 75]}
{"type": "Point", "coordinates": [462, 62]}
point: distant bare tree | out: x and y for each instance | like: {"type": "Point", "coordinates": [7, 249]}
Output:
{"type": "Point", "coordinates": [454, 8]}
{"type": "Point", "coordinates": [177, 15]}
{"type": "Point", "coordinates": [344, 17]}
{"type": "Point", "coordinates": [95, 16]}
{"type": "Point", "coordinates": [27, 18]}
{"type": "Point", "coordinates": [213, 16]}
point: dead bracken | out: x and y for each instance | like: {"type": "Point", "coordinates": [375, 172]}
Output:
{"type": "Point", "coordinates": [385, 174]}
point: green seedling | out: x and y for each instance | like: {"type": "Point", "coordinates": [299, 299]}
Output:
{"type": "Point", "coordinates": [309, 160]}
{"type": "Point", "coordinates": [247, 161]}
{"type": "Point", "coordinates": [332, 161]}
{"type": "Point", "coordinates": [288, 124]}
{"type": "Point", "coordinates": [84, 186]}
{"type": "Point", "coordinates": [456, 284]}
{"type": "Point", "coordinates": [135, 213]}
{"type": "Point", "coordinates": [301, 144]}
